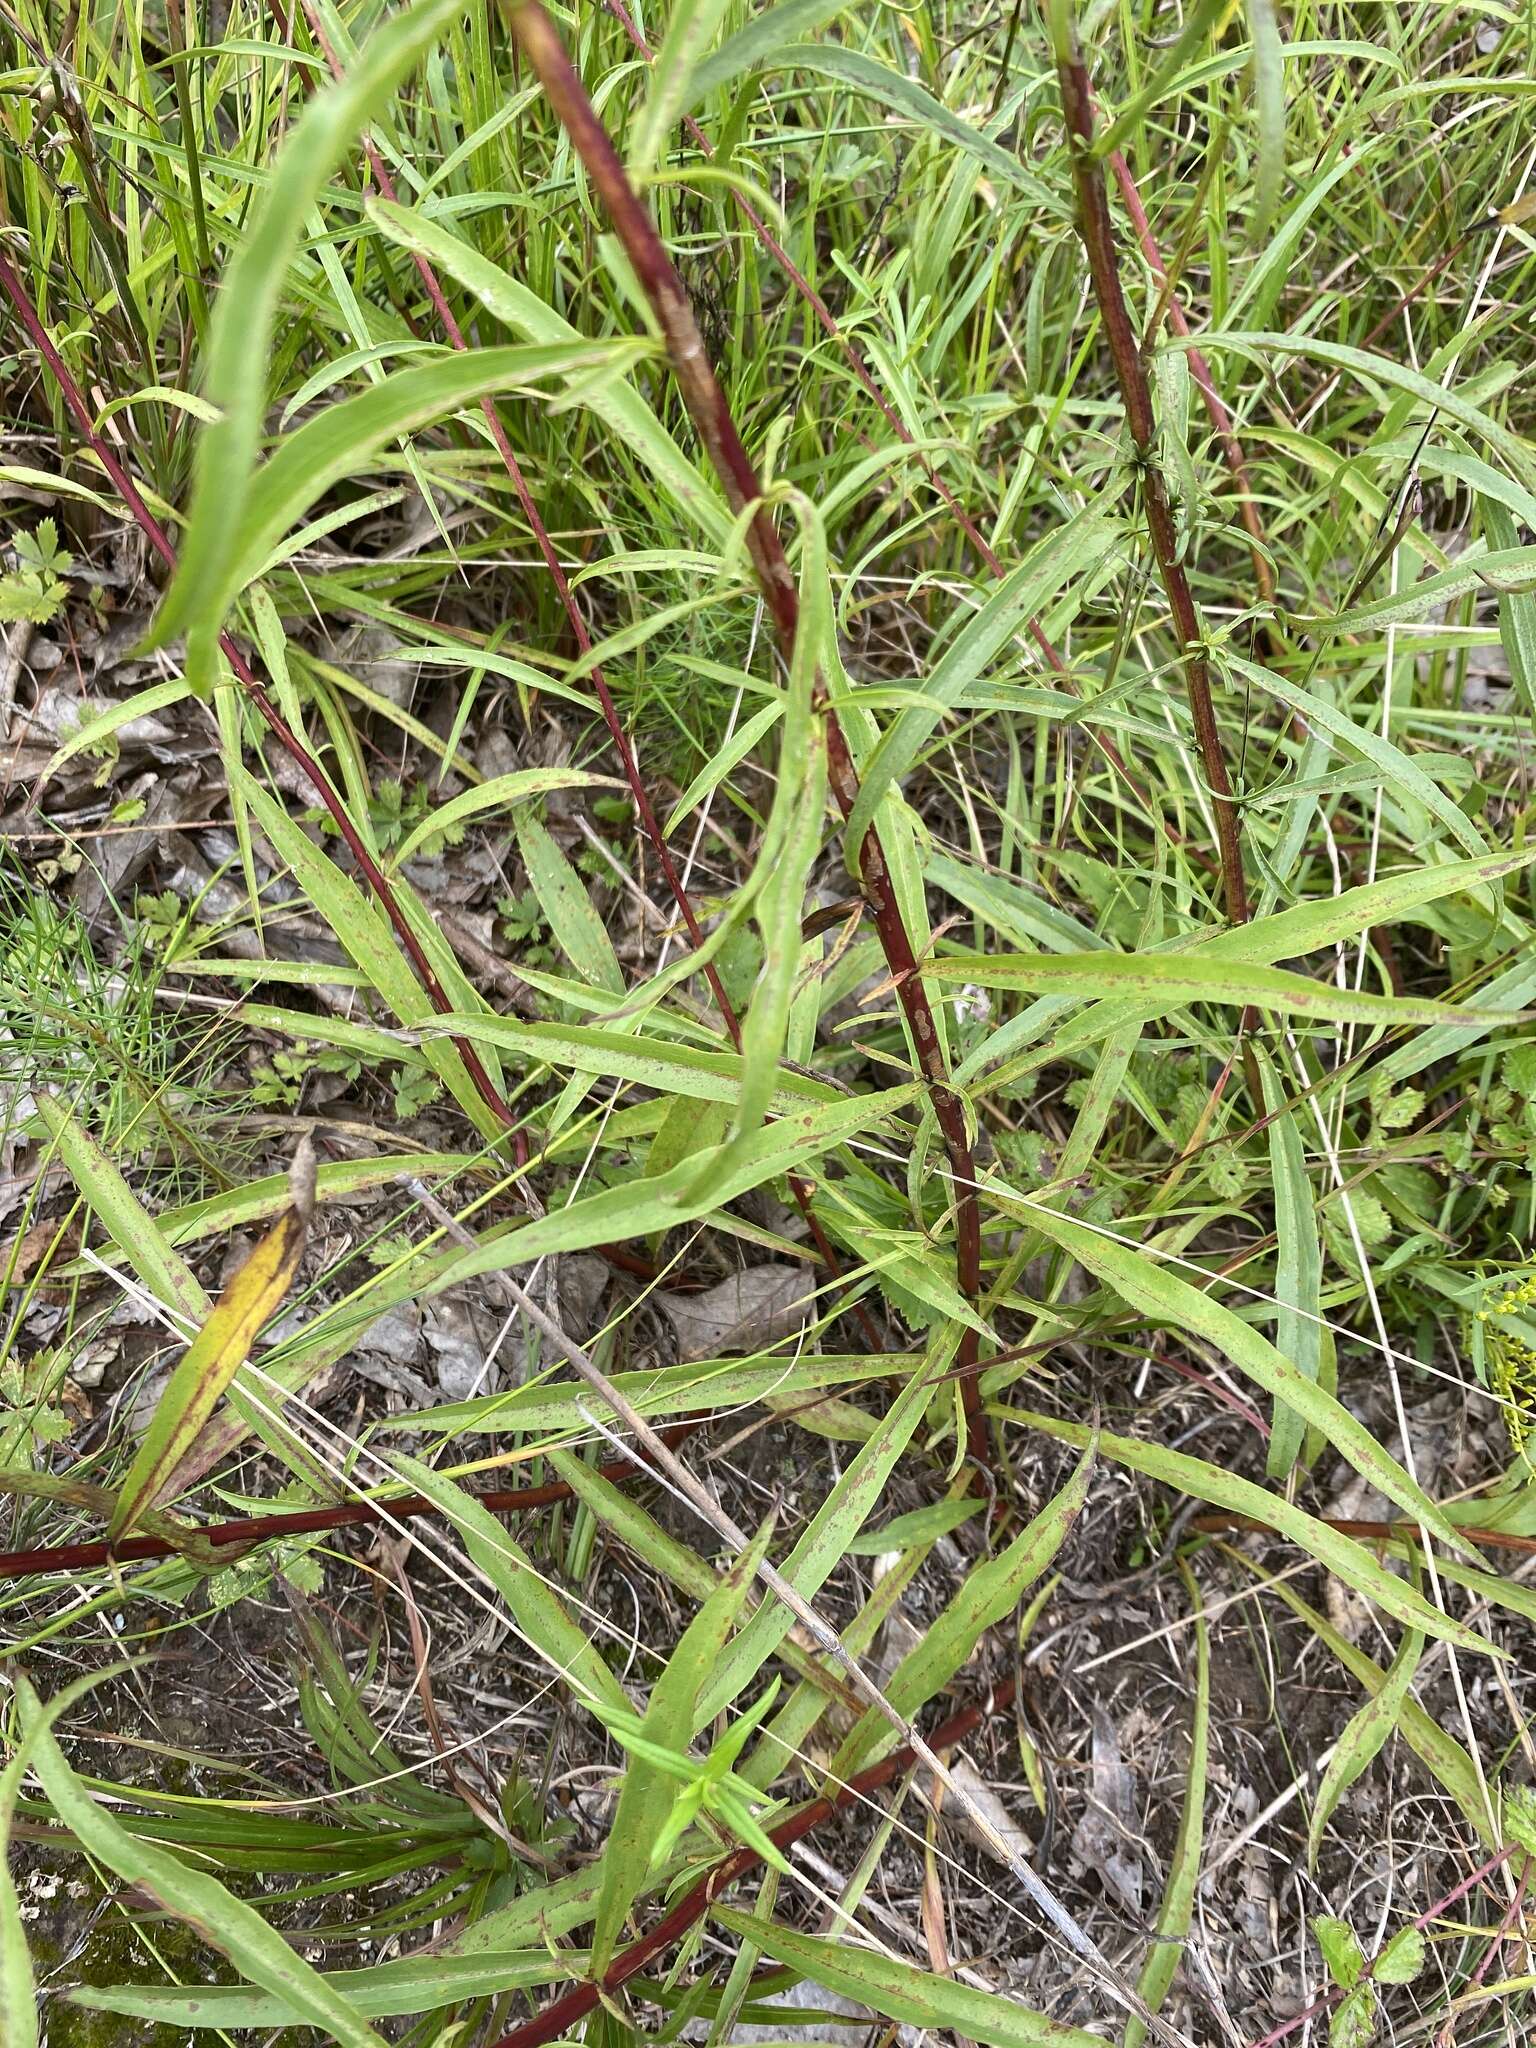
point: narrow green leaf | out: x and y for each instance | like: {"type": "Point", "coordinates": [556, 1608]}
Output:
{"type": "Point", "coordinates": [637, 1207]}
{"type": "Point", "coordinates": [365, 933]}
{"type": "Point", "coordinates": [922, 1525]}
{"type": "Point", "coordinates": [1348, 1560]}
{"type": "Point", "coordinates": [790, 844]}
{"type": "Point", "coordinates": [1441, 1754]}
{"type": "Point", "coordinates": [1505, 570]}
{"type": "Point", "coordinates": [648, 1792]}
{"type": "Point", "coordinates": [691, 27]}
{"type": "Point", "coordinates": [824, 1542]}
{"type": "Point", "coordinates": [914, 1997]}
{"type": "Point", "coordinates": [870, 78]}
{"type": "Point", "coordinates": [765, 34]}
{"type": "Point", "coordinates": [991, 1591]}
{"type": "Point", "coordinates": [134, 1231]}
{"type": "Point", "coordinates": [1039, 579]}
{"type": "Point", "coordinates": [1269, 106]}
{"type": "Point", "coordinates": [537, 1612]}
{"type": "Point", "coordinates": [1173, 1303]}
{"type": "Point", "coordinates": [525, 313]}
{"type": "Point", "coordinates": [1173, 1920]}
{"type": "Point", "coordinates": [1363, 1739]}
{"type": "Point", "coordinates": [411, 1985]}
{"type": "Point", "coordinates": [240, 344]}
{"type": "Point", "coordinates": [1395, 374]}
{"type": "Point", "coordinates": [1298, 1266]}
{"type": "Point", "coordinates": [1178, 978]}
{"type": "Point", "coordinates": [578, 930]}
{"type": "Point", "coordinates": [501, 790]}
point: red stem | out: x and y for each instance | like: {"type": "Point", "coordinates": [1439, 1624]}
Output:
{"type": "Point", "coordinates": [516, 1500]}
{"type": "Point", "coordinates": [16, 292]}
{"type": "Point", "coordinates": [711, 415]}
{"type": "Point", "coordinates": [1098, 241]}
{"type": "Point", "coordinates": [572, 2006]}
{"type": "Point", "coordinates": [865, 378]}
{"type": "Point", "coordinates": [639, 795]}
{"type": "Point", "coordinates": [1200, 371]}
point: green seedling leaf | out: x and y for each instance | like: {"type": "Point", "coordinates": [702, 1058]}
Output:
{"type": "Point", "coordinates": [225, 1922]}
{"type": "Point", "coordinates": [1341, 1950]}
{"type": "Point", "coordinates": [1402, 1959]}
{"type": "Point", "coordinates": [1353, 2023]}
{"type": "Point", "coordinates": [914, 1997]}
{"type": "Point", "coordinates": [1364, 1738]}
{"type": "Point", "coordinates": [218, 1350]}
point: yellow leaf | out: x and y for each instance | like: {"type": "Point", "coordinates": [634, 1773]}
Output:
{"type": "Point", "coordinates": [218, 1350]}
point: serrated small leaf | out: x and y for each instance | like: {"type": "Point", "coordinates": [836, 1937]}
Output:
{"type": "Point", "coordinates": [1402, 1958]}
{"type": "Point", "coordinates": [1341, 1950]}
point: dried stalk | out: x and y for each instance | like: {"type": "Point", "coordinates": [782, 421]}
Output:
{"type": "Point", "coordinates": [707, 407]}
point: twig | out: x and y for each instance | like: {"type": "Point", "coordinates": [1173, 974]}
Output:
{"type": "Point", "coordinates": [707, 407]}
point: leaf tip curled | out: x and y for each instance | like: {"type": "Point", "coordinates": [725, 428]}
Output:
{"type": "Point", "coordinates": [301, 1180]}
